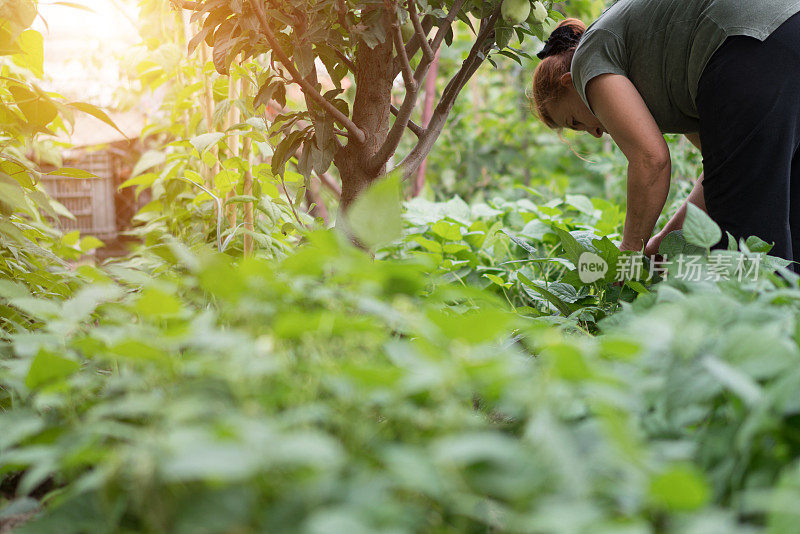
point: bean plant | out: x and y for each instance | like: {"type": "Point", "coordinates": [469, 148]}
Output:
{"type": "Point", "coordinates": [488, 365]}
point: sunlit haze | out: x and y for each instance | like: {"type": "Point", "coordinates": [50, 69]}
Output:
{"type": "Point", "coordinates": [82, 48]}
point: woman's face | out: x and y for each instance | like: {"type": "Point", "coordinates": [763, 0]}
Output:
{"type": "Point", "coordinates": [570, 112]}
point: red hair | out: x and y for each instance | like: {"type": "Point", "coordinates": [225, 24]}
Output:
{"type": "Point", "coordinates": [547, 85]}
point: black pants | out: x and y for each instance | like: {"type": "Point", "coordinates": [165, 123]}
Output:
{"type": "Point", "coordinates": [749, 105]}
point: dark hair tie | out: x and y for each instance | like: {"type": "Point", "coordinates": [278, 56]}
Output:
{"type": "Point", "coordinates": [561, 40]}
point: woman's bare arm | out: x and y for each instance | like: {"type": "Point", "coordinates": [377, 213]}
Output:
{"type": "Point", "coordinates": [696, 197]}
{"type": "Point", "coordinates": [619, 107]}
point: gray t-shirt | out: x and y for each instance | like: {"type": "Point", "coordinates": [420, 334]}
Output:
{"type": "Point", "coordinates": [662, 46]}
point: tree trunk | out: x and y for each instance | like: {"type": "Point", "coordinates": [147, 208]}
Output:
{"type": "Point", "coordinates": [371, 111]}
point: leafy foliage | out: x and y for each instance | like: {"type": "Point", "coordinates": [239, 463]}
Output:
{"type": "Point", "coordinates": [331, 391]}
{"type": "Point", "coordinates": [200, 157]}
{"type": "Point", "coordinates": [31, 250]}
{"type": "Point", "coordinates": [464, 375]}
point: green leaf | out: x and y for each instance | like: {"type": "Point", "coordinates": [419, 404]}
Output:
{"type": "Point", "coordinates": [10, 289]}
{"type": "Point", "coordinates": [149, 159]}
{"type": "Point", "coordinates": [477, 326]}
{"type": "Point", "coordinates": [285, 151]}
{"type": "Point", "coordinates": [674, 244]}
{"type": "Point", "coordinates": [572, 247]}
{"type": "Point", "coordinates": [536, 230]}
{"type": "Point", "coordinates": [447, 230]}
{"type": "Point", "coordinates": [756, 244]}
{"type": "Point", "coordinates": [581, 203]}
{"type": "Point", "coordinates": [537, 294]}
{"type": "Point", "coordinates": [699, 229]}
{"type": "Point", "coordinates": [544, 289]}
{"type": "Point", "coordinates": [521, 243]}
{"type": "Point", "coordinates": [497, 280]}
{"type": "Point", "coordinates": [13, 196]}
{"type": "Point", "coordinates": [37, 307]}
{"type": "Point", "coordinates": [375, 218]}
{"type": "Point", "coordinates": [32, 58]}
{"type": "Point", "coordinates": [503, 35]}
{"type": "Point", "coordinates": [203, 142]}
{"type": "Point", "coordinates": [155, 303]}
{"type": "Point", "coordinates": [509, 54]}
{"type": "Point", "coordinates": [568, 361]}
{"type": "Point", "coordinates": [637, 286]}
{"type": "Point", "coordinates": [136, 350]}
{"type": "Point", "coordinates": [72, 173]}
{"type": "Point", "coordinates": [38, 110]}
{"type": "Point", "coordinates": [737, 381]}
{"type": "Point", "coordinates": [224, 181]}
{"type": "Point", "coordinates": [90, 243]}
{"type": "Point", "coordinates": [71, 238]}
{"type": "Point", "coordinates": [453, 248]}
{"type": "Point", "coordinates": [732, 246]}
{"type": "Point", "coordinates": [680, 488]}
{"type": "Point", "coordinates": [97, 113]}
{"type": "Point", "coordinates": [241, 199]}
{"type": "Point", "coordinates": [427, 244]}
{"type": "Point", "coordinates": [610, 254]}
{"type": "Point", "coordinates": [48, 367]}
{"type": "Point", "coordinates": [18, 425]}
{"type": "Point", "coordinates": [565, 292]}
{"type": "Point", "coordinates": [143, 180]}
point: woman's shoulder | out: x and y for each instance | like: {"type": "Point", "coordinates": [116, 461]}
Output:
{"type": "Point", "coordinates": [604, 43]}
{"type": "Point", "coordinates": [599, 39]}
{"type": "Point", "coordinates": [600, 51]}
{"type": "Point", "coordinates": [612, 18]}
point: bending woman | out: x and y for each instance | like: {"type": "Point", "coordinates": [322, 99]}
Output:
{"type": "Point", "coordinates": [726, 73]}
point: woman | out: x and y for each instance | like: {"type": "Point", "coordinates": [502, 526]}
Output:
{"type": "Point", "coordinates": [725, 73]}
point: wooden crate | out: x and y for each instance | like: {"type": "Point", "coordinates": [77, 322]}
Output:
{"type": "Point", "coordinates": [91, 201]}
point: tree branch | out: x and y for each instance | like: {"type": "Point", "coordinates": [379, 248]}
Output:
{"type": "Point", "coordinates": [413, 44]}
{"type": "Point", "coordinates": [346, 60]}
{"type": "Point", "coordinates": [427, 112]}
{"type": "Point", "coordinates": [308, 89]}
{"type": "Point", "coordinates": [422, 68]}
{"type": "Point", "coordinates": [405, 66]}
{"type": "Point", "coordinates": [329, 182]}
{"type": "Point", "coordinates": [415, 128]}
{"type": "Point", "coordinates": [473, 61]}
{"type": "Point", "coordinates": [420, 32]}
{"type": "Point", "coordinates": [395, 135]}
{"type": "Point", "coordinates": [466, 71]}
{"type": "Point", "coordinates": [445, 27]}
{"type": "Point", "coordinates": [341, 7]}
